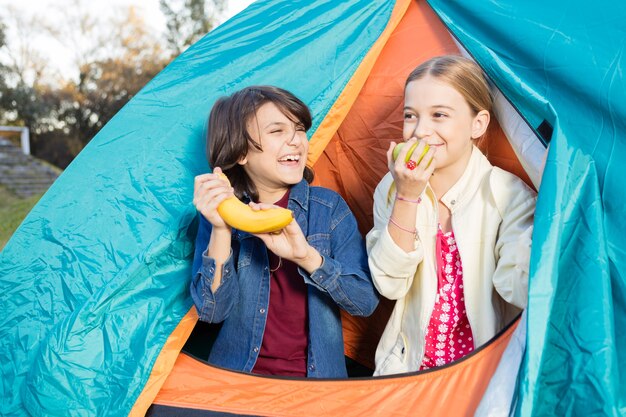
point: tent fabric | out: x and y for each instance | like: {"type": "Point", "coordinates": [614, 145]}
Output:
{"type": "Point", "coordinates": [164, 363]}
{"type": "Point", "coordinates": [332, 120]}
{"type": "Point", "coordinates": [499, 397]}
{"type": "Point", "coordinates": [55, 379]}
{"type": "Point", "coordinates": [562, 65]}
{"type": "Point", "coordinates": [353, 161]}
{"type": "Point", "coordinates": [453, 390]}
{"type": "Point", "coordinates": [95, 280]}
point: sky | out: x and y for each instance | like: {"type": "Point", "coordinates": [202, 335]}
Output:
{"type": "Point", "coordinates": [150, 8]}
{"type": "Point", "coordinates": [60, 56]}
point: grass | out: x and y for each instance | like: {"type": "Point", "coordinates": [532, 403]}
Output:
{"type": "Point", "coordinates": [12, 211]}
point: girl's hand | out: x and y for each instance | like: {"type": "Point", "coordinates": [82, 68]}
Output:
{"type": "Point", "coordinates": [290, 243]}
{"type": "Point", "coordinates": [410, 183]}
{"type": "Point", "coordinates": [209, 190]}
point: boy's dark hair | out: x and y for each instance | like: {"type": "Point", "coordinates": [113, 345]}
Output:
{"type": "Point", "coordinates": [228, 139]}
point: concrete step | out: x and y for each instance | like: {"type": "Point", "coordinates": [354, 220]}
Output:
{"type": "Point", "coordinates": [19, 182]}
{"type": "Point", "coordinates": [25, 179]}
{"type": "Point", "coordinates": [23, 174]}
{"type": "Point", "coordinates": [27, 169]}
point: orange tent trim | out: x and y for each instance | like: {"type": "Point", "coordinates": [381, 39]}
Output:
{"type": "Point", "coordinates": [454, 390]}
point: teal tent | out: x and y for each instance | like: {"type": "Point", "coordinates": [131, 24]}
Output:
{"type": "Point", "coordinates": [94, 294]}
{"type": "Point", "coordinates": [562, 66]}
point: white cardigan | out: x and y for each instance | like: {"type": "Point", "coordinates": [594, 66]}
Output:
{"type": "Point", "coordinates": [492, 217]}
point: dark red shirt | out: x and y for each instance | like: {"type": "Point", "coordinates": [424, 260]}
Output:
{"type": "Point", "coordinates": [286, 337]}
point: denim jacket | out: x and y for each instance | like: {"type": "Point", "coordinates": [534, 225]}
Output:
{"type": "Point", "coordinates": [242, 299]}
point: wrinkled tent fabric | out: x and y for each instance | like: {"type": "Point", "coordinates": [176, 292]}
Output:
{"type": "Point", "coordinates": [95, 279]}
{"type": "Point", "coordinates": [94, 282]}
{"type": "Point", "coordinates": [564, 64]}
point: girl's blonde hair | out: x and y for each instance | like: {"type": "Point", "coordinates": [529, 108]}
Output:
{"type": "Point", "coordinates": [462, 74]}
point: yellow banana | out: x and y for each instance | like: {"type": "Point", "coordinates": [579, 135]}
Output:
{"type": "Point", "coordinates": [241, 216]}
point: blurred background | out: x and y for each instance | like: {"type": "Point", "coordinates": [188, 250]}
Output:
{"type": "Point", "coordinates": [67, 67]}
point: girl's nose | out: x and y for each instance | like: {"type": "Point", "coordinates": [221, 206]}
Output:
{"type": "Point", "coordinates": [422, 129]}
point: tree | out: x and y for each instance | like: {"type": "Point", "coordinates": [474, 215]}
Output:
{"type": "Point", "coordinates": [106, 85]}
{"type": "Point", "coordinates": [2, 34]}
{"type": "Point", "coordinates": [3, 68]}
{"type": "Point", "coordinates": [65, 112]}
{"type": "Point", "coordinates": [189, 20]}
{"type": "Point", "coordinates": [21, 77]}
{"type": "Point", "coordinates": [112, 67]}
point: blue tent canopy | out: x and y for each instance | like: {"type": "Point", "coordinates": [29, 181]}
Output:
{"type": "Point", "coordinates": [562, 65]}
{"type": "Point", "coordinates": [95, 280]}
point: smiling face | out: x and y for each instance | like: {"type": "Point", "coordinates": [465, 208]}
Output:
{"type": "Point", "coordinates": [282, 158]}
{"type": "Point", "coordinates": [438, 114]}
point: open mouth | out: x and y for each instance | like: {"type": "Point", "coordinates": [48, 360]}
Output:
{"type": "Point", "coordinates": [290, 158]}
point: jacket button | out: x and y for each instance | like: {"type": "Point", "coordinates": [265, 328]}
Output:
{"type": "Point", "coordinates": [453, 202]}
{"type": "Point", "coordinates": [262, 311]}
{"type": "Point", "coordinates": [256, 349]}
{"type": "Point", "coordinates": [311, 367]}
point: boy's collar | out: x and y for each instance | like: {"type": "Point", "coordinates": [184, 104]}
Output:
{"type": "Point", "coordinates": [299, 193]}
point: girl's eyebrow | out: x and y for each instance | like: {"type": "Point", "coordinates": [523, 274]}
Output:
{"type": "Point", "coordinates": [441, 106]}
{"type": "Point", "coordinates": [436, 106]}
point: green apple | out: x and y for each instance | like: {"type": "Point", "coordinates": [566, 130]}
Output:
{"type": "Point", "coordinates": [399, 146]}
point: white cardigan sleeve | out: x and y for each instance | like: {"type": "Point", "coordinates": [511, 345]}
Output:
{"type": "Point", "coordinates": [516, 204]}
{"type": "Point", "coordinates": [391, 267]}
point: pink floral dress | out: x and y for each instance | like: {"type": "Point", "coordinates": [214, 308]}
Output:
{"type": "Point", "coordinates": [449, 336]}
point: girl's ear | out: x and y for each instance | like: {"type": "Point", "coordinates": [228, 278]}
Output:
{"type": "Point", "coordinates": [243, 161]}
{"type": "Point", "coordinates": [480, 123]}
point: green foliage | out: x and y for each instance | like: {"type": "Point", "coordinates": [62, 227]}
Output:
{"type": "Point", "coordinates": [107, 84]}
{"type": "Point", "coordinates": [24, 103]}
{"type": "Point", "coordinates": [12, 211]}
{"type": "Point", "coordinates": [189, 20]}
{"type": "Point", "coordinates": [2, 34]}
{"type": "Point", "coordinates": [63, 118]}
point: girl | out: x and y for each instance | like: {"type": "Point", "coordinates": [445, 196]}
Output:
{"type": "Point", "coordinates": [451, 238]}
{"type": "Point", "coordinates": [278, 295]}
